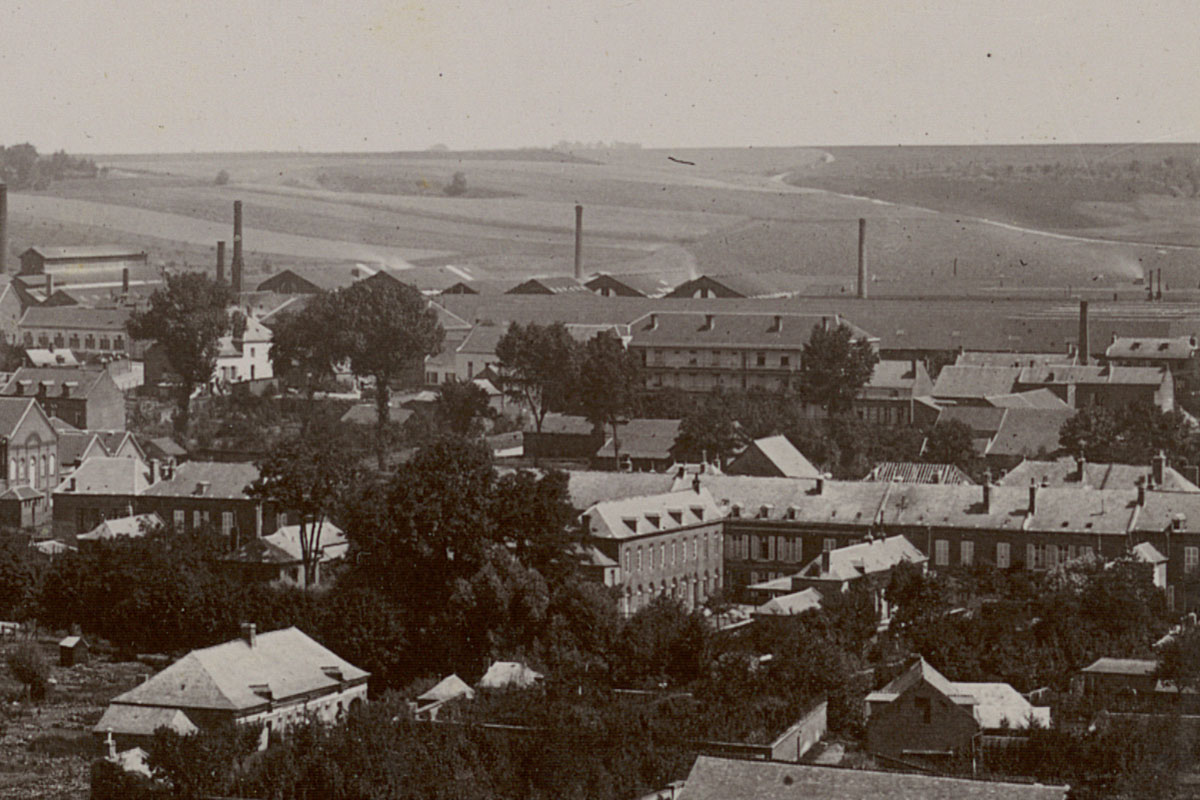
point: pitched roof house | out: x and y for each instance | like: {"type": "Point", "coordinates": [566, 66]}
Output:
{"type": "Point", "coordinates": [276, 678]}
{"type": "Point", "coordinates": [772, 457]}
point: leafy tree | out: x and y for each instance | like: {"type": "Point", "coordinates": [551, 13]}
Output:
{"type": "Point", "coordinates": [834, 367]}
{"type": "Point", "coordinates": [916, 595]}
{"type": "Point", "coordinates": [387, 328]}
{"type": "Point", "coordinates": [663, 641]}
{"type": "Point", "coordinates": [608, 384]}
{"type": "Point", "coordinates": [201, 764]}
{"type": "Point", "coordinates": [1179, 658]}
{"type": "Point", "coordinates": [709, 432]}
{"type": "Point", "coordinates": [539, 367]}
{"type": "Point", "coordinates": [187, 317]}
{"type": "Point", "coordinates": [949, 442]}
{"type": "Point", "coordinates": [29, 668]}
{"type": "Point", "coordinates": [460, 407]}
{"type": "Point", "coordinates": [303, 349]}
{"type": "Point", "coordinates": [1092, 432]}
{"type": "Point", "coordinates": [533, 516]}
{"type": "Point", "coordinates": [18, 577]}
{"type": "Point", "coordinates": [307, 477]}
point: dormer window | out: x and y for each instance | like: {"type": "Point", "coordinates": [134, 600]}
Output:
{"type": "Point", "coordinates": [654, 520]}
{"type": "Point", "coordinates": [676, 515]}
{"type": "Point", "coordinates": [698, 511]}
{"type": "Point", "coordinates": [631, 523]}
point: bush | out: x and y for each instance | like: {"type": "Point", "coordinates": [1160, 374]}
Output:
{"type": "Point", "coordinates": [30, 669]}
{"type": "Point", "coordinates": [457, 186]}
{"type": "Point", "coordinates": [222, 178]}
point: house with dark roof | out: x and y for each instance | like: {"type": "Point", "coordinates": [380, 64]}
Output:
{"type": "Point", "coordinates": [627, 285]}
{"type": "Point", "coordinates": [971, 385]}
{"type": "Point", "coordinates": [640, 445]}
{"type": "Point", "coordinates": [314, 279]}
{"type": "Point", "coordinates": [772, 457]}
{"type": "Point", "coordinates": [277, 679]}
{"type": "Point", "coordinates": [699, 352]}
{"type": "Point", "coordinates": [1111, 386]}
{"type": "Point", "coordinates": [922, 715]}
{"type": "Point", "coordinates": [713, 778]}
{"type": "Point", "coordinates": [1006, 436]}
{"type": "Point", "coordinates": [914, 472]}
{"type": "Point", "coordinates": [747, 285]}
{"type": "Point", "coordinates": [553, 284]}
{"type": "Point", "coordinates": [29, 451]}
{"type": "Point", "coordinates": [82, 397]}
{"type": "Point", "coordinates": [889, 397]}
{"type": "Point", "coordinates": [98, 332]}
{"type": "Point", "coordinates": [563, 436]}
{"type": "Point", "coordinates": [1180, 355]}
{"type": "Point", "coordinates": [279, 558]}
{"type": "Point", "coordinates": [476, 287]}
{"type": "Point", "coordinates": [1067, 471]}
{"type": "Point", "coordinates": [664, 544]}
{"type": "Point", "coordinates": [81, 262]}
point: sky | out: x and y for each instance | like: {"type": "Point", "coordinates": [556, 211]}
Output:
{"type": "Point", "coordinates": [129, 76]}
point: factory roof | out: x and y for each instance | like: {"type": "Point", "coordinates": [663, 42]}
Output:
{"type": "Point", "coordinates": [75, 317]}
{"type": "Point", "coordinates": [743, 329]}
{"type": "Point", "coordinates": [74, 253]}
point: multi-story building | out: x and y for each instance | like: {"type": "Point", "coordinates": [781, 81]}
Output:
{"type": "Point", "coordinates": [29, 448]}
{"type": "Point", "coordinates": [665, 544]}
{"type": "Point", "coordinates": [701, 352]}
{"type": "Point", "coordinates": [90, 331]}
{"type": "Point", "coordinates": [83, 398]}
{"type": "Point", "coordinates": [1180, 355]}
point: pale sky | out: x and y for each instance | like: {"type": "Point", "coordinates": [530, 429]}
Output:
{"type": "Point", "coordinates": [157, 75]}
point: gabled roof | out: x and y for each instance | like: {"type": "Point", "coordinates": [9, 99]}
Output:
{"type": "Point", "coordinates": [82, 382]}
{"type": "Point", "coordinates": [553, 284]}
{"type": "Point", "coordinates": [1122, 666]}
{"type": "Point", "coordinates": [643, 438]}
{"type": "Point", "coordinates": [713, 778]}
{"type": "Point", "coordinates": [1037, 398]}
{"type": "Point", "coordinates": [866, 558]}
{"type": "Point", "coordinates": [505, 674]}
{"type": "Point", "coordinates": [45, 357]}
{"type": "Point", "coordinates": [900, 375]}
{"type": "Point", "coordinates": [447, 688]}
{"type": "Point", "coordinates": [743, 329]}
{"type": "Point", "coordinates": [367, 414]}
{"type": "Point", "coordinates": [1089, 375]}
{"type": "Point", "coordinates": [287, 662]}
{"type": "Point", "coordinates": [13, 411]}
{"type": "Point", "coordinates": [487, 287]}
{"type": "Point", "coordinates": [1152, 347]}
{"type": "Point", "coordinates": [107, 475]}
{"type": "Point", "coordinates": [143, 721]}
{"type": "Point", "coordinates": [912, 472]}
{"type": "Point", "coordinates": [996, 359]}
{"type": "Point", "coordinates": [75, 252]}
{"type": "Point", "coordinates": [789, 604]}
{"type": "Point", "coordinates": [1148, 553]}
{"type": "Point", "coordinates": [137, 525]}
{"type": "Point", "coordinates": [326, 277]}
{"type": "Point", "coordinates": [208, 479]}
{"type": "Point", "coordinates": [782, 455]}
{"type": "Point", "coordinates": [482, 340]}
{"type": "Point", "coordinates": [563, 424]}
{"type": "Point", "coordinates": [633, 284]}
{"type": "Point", "coordinates": [165, 446]}
{"type": "Point", "coordinates": [955, 382]}
{"type": "Point", "coordinates": [644, 516]}
{"type": "Point", "coordinates": [75, 318]}
{"type": "Point", "coordinates": [1065, 472]}
{"type": "Point", "coordinates": [1028, 431]}
{"type": "Point", "coordinates": [588, 487]}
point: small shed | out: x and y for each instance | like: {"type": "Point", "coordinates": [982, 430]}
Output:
{"type": "Point", "coordinates": [72, 650]}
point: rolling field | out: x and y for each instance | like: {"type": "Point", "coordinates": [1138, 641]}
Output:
{"type": "Point", "coordinates": [941, 220]}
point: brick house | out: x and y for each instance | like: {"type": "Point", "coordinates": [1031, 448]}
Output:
{"type": "Point", "coordinates": [91, 331]}
{"type": "Point", "coordinates": [666, 544]}
{"type": "Point", "coordinates": [83, 398]}
{"type": "Point", "coordinates": [29, 449]}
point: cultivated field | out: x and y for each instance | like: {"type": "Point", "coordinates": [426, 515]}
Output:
{"type": "Point", "coordinates": [941, 220]}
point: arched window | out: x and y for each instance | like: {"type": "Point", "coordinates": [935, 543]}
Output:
{"type": "Point", "coordinates": [52, 464]}
{"type": "Point", "coordinates": [33, 476]}
{"type": "Point", "coordinates": [45, 465]}
{"type": "Point", "coordinates": [23, 473]}
{"type": "Point", "coordinates": [12, 469]}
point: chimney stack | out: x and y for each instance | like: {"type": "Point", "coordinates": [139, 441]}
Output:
{"type": "Point", "coordinates": [3, 225]}
{"type": "Point", "coordinates": [221, 262]}
{"type": "Point", "coordinates": [1158, 296]}
{"type": "Point", "coordinates": [1085, 350]}
{"type": "Point", "coordinates": [987, 495]}
{"type": "Point", "coordinates": [1033, 490]}
{"type": "Point", "coordinates": [578, 242]}
{"type": "Point", "coordinates": [1158, 468]}
{"type": "Point", "coordinates": [777, 324]}
{"type": "Point", "coordinates": [236, 265]}
{"type": "Point", "coordinates": [49, 284]}
{"type": "Point", "coordinates": [824, 562]}
{"type": "Point", "coordinates": [125, 281]}
{"type": "Point", "coordinates": [862, 258]}
{"type": "Point", "coordinates": [248, 633]}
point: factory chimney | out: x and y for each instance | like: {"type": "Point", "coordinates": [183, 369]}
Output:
{"type": "Point", "coordinates": [236, 266]}
{"type": "Point", "coordinates": [3, 225]}
{"type": "Point", "coordinates": [221, 262]}
{"type": "Point", "coordinates": [578, 242]}
{"type": "Point", "coordinates": [1085, 349]}
{"type": "Point", "coordinates": [862, 258]}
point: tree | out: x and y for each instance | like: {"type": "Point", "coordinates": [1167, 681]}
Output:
{"type": "Point", "coordinates": [457, 186]}
{"type": "Point", "coordinates": [663, 641]}
{"type": "Point", "coordinates": [949, 442]}
{"type": "Point", "coordinates": [307, 477]}
{"type": "Point", "coordinates": [201, 764]}
{"type": "Point", "coordinates": [709, 433]}
{"type": "Point", "coordinates": [29, 668]}
{"type": "Point", "coordinates": [302, 350]}
{"type": "Point", "coordinates": [222, 178]}
{"type": "Point", "coordinates": [460, 405]}
{"type": "Point", "coordinates": [1091, 433]}
{"type": "Point", "coordinates": [387, 327]}
{"type": "Point", "coordinates": [834, 367]}
{"type": "Point", "coordinates": [533, 516]}
{"type": "Point", "coordinates": [538, 366]}
{"type": "Point", "coordinates": [1179, 658]}
{"type": "Point", "coordinates": [186, 317]}
{"type": "Point", "coordinates": [608, 384]}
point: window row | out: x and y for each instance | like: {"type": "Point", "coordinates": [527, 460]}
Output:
{"type": "Point", "coordinates": [679, 550]}
{"type": "Point", "coordinates": [201, 520]}
{"type": "Point", "coordinates": [37, 472]}
{"type": "Point", "coordinates": [1037, 556]}
{"type": "Point", "coordinates": [75, 342]}
{"type": "Point", "coordinates": [691, 590]}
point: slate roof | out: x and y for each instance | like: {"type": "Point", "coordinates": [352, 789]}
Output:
{"type": "Point", "coordinates": [73, 252]}
{"type": "Point", "coordinates": [643, 438]}
{"type": "Point", "coordinates": [326, 277]}
{"type": "Point", "coordinates": [1125, 376]}
{"type": "Point", "coordinates": [137, 525]}
{"type": "Point", "coordinates": [220, 677]}
{"type": "Point", "coordinates": [955, 382]}
{"type": "Point", "coordinates": [447, 688]}
{"type": "Point", "coordinates": [13, 410]}
{"type": "Point", "coordinates": [588, 487]}
{"type": "Point", "coordinates": [788, 604]}
{"type": "Point", "coordinates": [892, 374]}
{"type": "Point", "coordinates": [913, 472]}
{"type": "Point", "coordinates": [993, 705]}
{"type": "Point", "coordinates": [484, 286]}
{"type": "Point", "coordinates": [552, 284]}
{"type": "Point", "coordinates": [1173, 347]}
{"type": "Point", "coordinates": [1122, 666]}
{"type": "Point", "coordinates": [645, 284]}
{"type": "Point", "coordinates": [1148, 553]}
{"type": "Point", "coordinates": [866, 558]}
{"type": "Point", "coordinates": [741, 330]}
{"type": "Point", "coordinates": [44, 357]}
{"type": "Point", "coordinates": [31, 378]}
{"type": "Point", "coordinates": [365, 414]}
{"type": "Point", "coordinates": [1065, 472]}
{"type": "Point", "coordinates": [563, 424]}
{"type": "Point", "coordinates": [482, 340]}
{"type": "Point", "coordinates": [1028, 431]}
{"type": "Point", "coordinates": [643, 516]}
{"type": "Point", "coordinates": [1037, 398]}
{"type": "Point", "coordinates": [225, 480]}
{"type": "Point", "coordinates": [503, 674]}
{"type": "Point", "coordinates": [107, 475]}
{"type": "Point", "coordinates": [784, 456]}
{"type": "Point", "coordinates": [75, 318]}
{"type": "Point", "coordinates": [999, 359]}
{"type": "Point", "coordinates": [333, 541]}
{"type": "Point", "coordinates": [166, 446]}
{"type": "Point", "coordinates": [714, 778]}
{"type": "Point", "coordinates": [143, 721]}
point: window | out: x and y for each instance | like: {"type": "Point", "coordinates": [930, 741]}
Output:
{"type": "Point", "coordinates": [58, 340]}
{"type": "Point", "coordinates": [1051, 556]}
{"type": "Point", "coordinates": [119, 344]}
{"type": "Point", "coordinates": [227, 523]}
{"type": "Point", "coordinates": [89, 342]}
{"type": "Point", "coordinates": [180, 519]}
{"type": "Point", "coordinates": [1003, 555]}
{"type": "Point", "coordinates": [760, 359]}
{"type": "Point", "coordinates": [672, 554]}
{"type": "Point", "coordinates": [829, 544]}
{"type": "Point", "coordinates": [1191, 558]}
{"type": "Point", "coordinates": [639, 564]}
{"type": "Point", "coordinates": [941, 552]}
{"type": "Point", "coordinates": [104, 343]}
{"type": "Point", "coordinates": [924, 708]}
{"type": "Point", "coordinates": [73, 341]}
{"type": "Point", "coordinates": [966, 552]}
{"type": "Point", "coordinates": [52, 465]}
{"type": "Point", "coordinates": [764, 547]}
{"type": "Point", "coordinates": [196, 520]}
{"type": "Point", "coordinates": [1035, 556]}
{"type": "Point", "coordinates": [625, 559]}
{"type": "Point", "coordinates": [43, 340]}
{"type": "Point", "coordinates": [662, 555]}
{"type": "Point", "coordinates": [28, 339]}
{"type": "Point", "coordinates": [785, 361]}
{"type": "Point", "coordinates": [12, 469]}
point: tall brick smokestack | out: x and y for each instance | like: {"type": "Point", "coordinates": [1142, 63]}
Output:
{"type": "Point", "coordinates": [237, 265]}
{"type": "Point", "coordinates": [1085, 350]}
{"type": "Point", "coordinates": [862, 258]}
{"type": "Point", "coordinates": [578, 242]}
{"type": "Point", "coordinates": [3, 226]}
{"type": "Point", "coordinates": [221, 262]}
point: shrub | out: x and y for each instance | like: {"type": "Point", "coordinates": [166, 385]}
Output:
{"type": "Point", "coordinates": [222, 178]}
{"type": "Point", "coordinates": [30, 669]}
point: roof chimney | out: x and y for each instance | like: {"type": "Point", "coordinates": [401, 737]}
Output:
{"type": "Point", "coordinates": [3, 225]}
{"type": "Point", "coordinates": [696, 484]}
{"type": "Point", "coordinates": [1033, 490]}
{"type": "Point", "coordinates": [249, 635]}
{"type": "Point", "coordinates": [125, 281]}
{"type": "Point", "coordinates": [154, 470]}
{"type": "Point", "coordinates": [1085, 349]}
{"type": "Point", "coordinates": [824, 562]}
{"type": "Point", "coordinates": [653, 321]}
{"type": "Point", "coordinates": [220, 262]}
{"type": "Point", "coordinates": [1141, 500]}
{"type": "Point", "coordinates": [578, 242]}
{"type": "Point", "coordinates": [862, 258]}
{"type": "Point", "coordinates": [820, 485]}
{"type": "Point", "coordinates": [1158, 468]}
{"type": "Point", "coordinates": [987, 495]}
{"type": "Point", "coordinates": [777, 324]}
{"type": "Point", "coordinates": [49, 284]}
{"type": "Point", "coordinates": [237, 265]}
{"type": "Point", "coordinates": [708, 322]}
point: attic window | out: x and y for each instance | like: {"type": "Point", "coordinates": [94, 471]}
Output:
{"type": "Point", "coordinates": [333, 672]}
{"type": "Point", "coordinates": [630, 522]}
{"type": "Point", "coordinates": [262, 690]}
{"type": "Point", "coordinates": [698, 511]}
{"type": "Point", "coordinates": [1135, 345]}
{"type": "Point", "coordinates": [677, 515]}
{"type": "Point", "coordinates": [1162, 346]}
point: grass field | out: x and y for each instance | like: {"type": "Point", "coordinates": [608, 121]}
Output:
{"type": "Point", "coordinates": [940, 219]}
